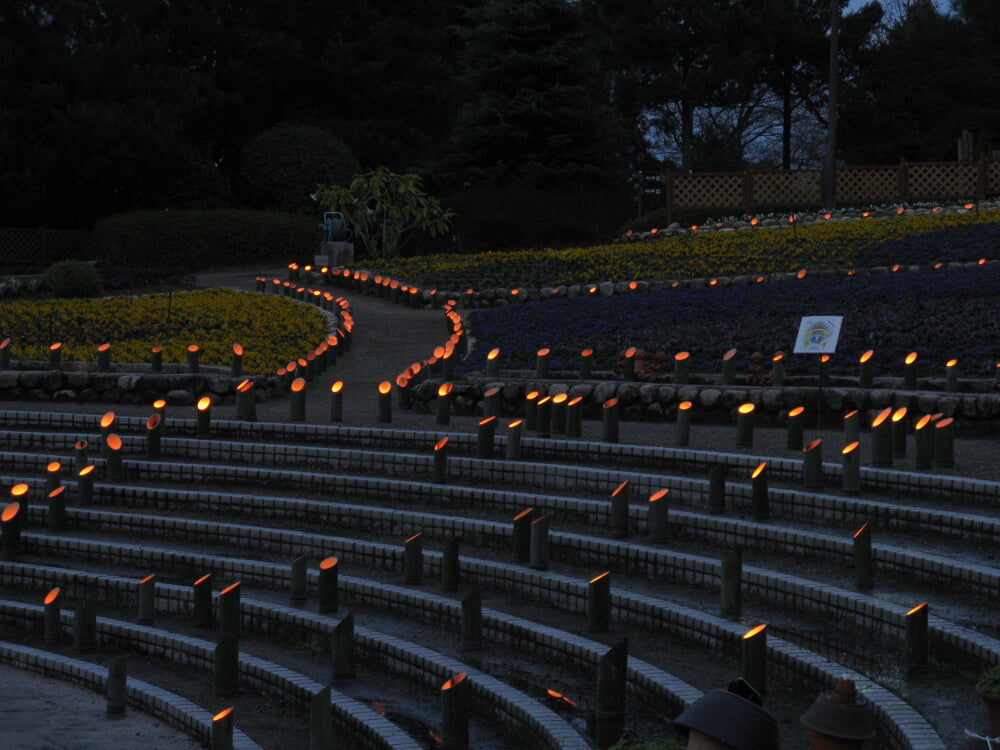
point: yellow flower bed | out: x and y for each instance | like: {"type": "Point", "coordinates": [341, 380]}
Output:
{"type": "Point", "coordinates": [272, 330]}
{"type": "Point", "coordinates": [689, 255]}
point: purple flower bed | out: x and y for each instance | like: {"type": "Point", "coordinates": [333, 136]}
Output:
{"type": "Point", "coordinates": [940, 314]}
{"type": "Point", "coordinates": [962, 243]}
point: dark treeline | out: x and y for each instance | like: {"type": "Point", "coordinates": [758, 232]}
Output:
{"type": "Point", "coordinates": [530, 115]}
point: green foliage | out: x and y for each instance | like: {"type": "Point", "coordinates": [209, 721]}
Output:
{"type": "Point", "coordinates": [382, 208]}
{"type": "Point", "coordinates": [282, 166]}
{"type": "Point", "coordinates": [630, 744]}
{"type": "Point", "coordinates": [200, 239]}
{"type": "Point", "coordinates": [73, 278]}
{"type": "Point", "coordinates": [989, 681]}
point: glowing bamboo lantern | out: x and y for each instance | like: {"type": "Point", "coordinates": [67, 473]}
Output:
{"type": "Point", "coordinates": [114, 465]}
{"type": "Point", "coordinates": [917, 639]}
{"type": "Point", "coordinates": [52, 473]}
{"type": "Point", "coordinates": [852, 426]}
{"type": "Point", "coordinates": [513, 448]}
{"type": "Point", "coordinates": [778, 369]}
{"type": "Point", "coordinates": [147, 600]}
{"type": "Point", "coordinates": [944, 442]}
{"type": "Point", "coordinates": [544, 416]}
{"type": "Point", "coordinates": [153, 437]}
{"type": "Point", "coordinates": [910, 371]}
{"type": "Point", "coordinates": [222, 730]}
{"type": "Point", "coordinates": [385, 402]}
{"type": "Point", "coordinates": [201, 594]}
{"type": "Point", "coordinates": [744, 425]}
{"type": "Point", "coordinates": [493, 364]}
{"type": "Point", "coordinates": [329, 578]}
{"type": "Point", "coordinates": [485, 437]}
{"type": "Point", "coordinates": [10, 521]}
{"type": "Point", "coordinates": [542, 363]}
{"type": "Point", "coordinates": [586, 363]}
{"type": "Point", "coordinates": [413, 560]}
{"type": "Point", "coordinates": [609, 421]}
{"type": "Point", "coordinates": [574, 417]}
{"type": "Point", "coordinates": [951, 375]}
{"type": "Point", "coordinates": [203, 428]}
{"type": "Point", "coordinates": [760, 497]}
{"type": "Point", "coordinates": [55, 356]}
{"type": "Point", "coordinates": [812, 466]}
{"type": "Point", "coordinates": [658, 516]}
{"type": "Point", "coordinates": [923, 432]}
{"type": "Point", "coordinates": [630, 357]}
{"type": "Point", "coordinates": [795, 428]}
{"type": "Point", "coordinates": [337, 401]}
{"type": "Point", "coordinates": [898, 425]}
{"type": "Point", "coordinates": [440, 470]}
{"type": "Point", "coordinates": [729, 367]}
{"type": "Point", "coordinates": [732, 583]}
{"type": "Point", "coordinates": [193, 358]}
{"type": "Point", "coordinates": [53, 617]}
{"type": "Point", "coordinates": [531, 410]}
{"type": "Point", "coordinates": [682, 433]}
{"type": "Point", "coordinates": [682, 368]}
{"type": "Point", "coordinates": [851, 471]}
{"type": "Point", "coordinates": [559, 413]}
{"type": "Point", "coordinates": [236, 361]}
{"type": "Point", "coordinates": [57, 508]}
{"type": "Point", "coordinates": [444, 392]}
{"type": "Point", "coordinates": [599, 603]}
{"type": "Point", "coordinates": [824, 370]}
{"type": "Point", "coordinates": [104, 357]}
{"type": "Point", "coordinates": [754, 653]}
{"type": "Point", "coordinates": [455, 713]}
{"type": "Point", "coordinates": [881, 433]}
{"type": "Point", "coordinates": [864, 563]}
{"type": "Point", "coordinates": [246, 401]}
{"type": "Point", "coordinates": [521, 535]}
{"type": "Point", "coordinates": [5, 347]}
{"type": "Point", "coordinates": [619, 511]}
{"type": "Point", "coordinates": [491, 402]}
{"type": "Point", "coordinates": [106, 425]}
{"type": "Point", "coordinates": [85, 485]}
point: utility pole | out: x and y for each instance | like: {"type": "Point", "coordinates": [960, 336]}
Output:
{"type": "Point", "coordinates": [830, 161]}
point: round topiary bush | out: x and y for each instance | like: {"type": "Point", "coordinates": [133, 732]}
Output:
{"type": "Point", "coordinates": [73, 278]}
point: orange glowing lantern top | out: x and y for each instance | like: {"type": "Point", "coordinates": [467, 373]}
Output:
{"type": "Point", "coordinates": [560, 398]}
{"type": "Point", "coordinates": [900, 211]}
{"type": "Point", "coordinates": [922, 422]}
{"type": "Point", "coordinates": [866, 356]}
{"type": "Point", "coordinates": [860, 531]}
{"type": "Point", "coordinates": [754, 632]}
{"type": "Point", "coordinates": [114, 442]}
{"type": "Point", "coordinates": [746, 408]}
{"type": "Point", "coordinates": [713, 282]}
{"type": "Point", "coordinates": [107, 420]}
{"type": "Point", "coordinates": [86, 471]}
{"type": "Point", "coordinates": [620, 489]}
{"type": "Point", "coordinates": [759, 470]}
{"type": "Point", "coordinates": [813, 445]}
{"type": "Point", "coordinates": [61, 489]}
{"type": "Point", "coordinates": [150, 577]}
{"type": "Point", "coordinates": [193, 348]}
{"type": "Point", "coordinates": [531, 395]}
{"type": "Point", "coordinates": [600, 576]}
{"type": "Point", "coordinates": [630, 352]}
{"type": "Point", "coordinates": [881, 417]}
{"type": "Point", "coordinates": [544, 400]}
{"type": "Point", "coordinates": [238, 350]}
{"type": "Point", "coordinates": [204, 403]}
{"type": "Point", "coordinates": [223, 714]}
{"type": "Point", "coordinates": [895, 268]}
{"type": "Point", "coordinates": [592, 289]}
{"type": "Point", "coordinates": [684, 405]}
{"type": "Point", "coordinates": [328, 563]}
{"type": "Point", "coordinates": [778, 356]}
{"type": "Point", "coordinates": [851, 414]}
{"type": "Point", "coordinates": [946, 422]}
{"type": "Point", "coordinates": [611, 403]}
{"type": "Point", "coordinates": [759, 279]}
{"type": "Point", "coordinates": [632, 286]}
{"type": "Point", "coordinates": [658, 495]}
{"type": "Point", "coordinates": [159, 404]}
{"type": "Point", "coordinates": [298, 385]}
{"type": "Point", "coordinates": [560, 697]}
{"type": "Point", "coordinates": [453, 682]}
{"type": "Point", "coordinates": [827, 217]}
{"type": "Point", "coordinates": [438, 352]}
{"type": "Point", "coordinates": [865, 215]}
{"type": "Point", "coordinates": [10, 512]}
{"type": "Point", "coordinates": [682, 356]}
{"type": "Point", "coordinates": [56, 346]}
{"type": "Point", "coordinates": [922, 605]}
{"type": "Point", "coordinates": [936, 209]}
{"type": "Point", "coordinates": [487, 420]}
{"type": "Point", "coordinates": [402, 381]}
{"type": "Point", "coordinates": [230, 587]}
{"type": "Point", "coordinates": [441, 444]}
{"type": "Point", "coordinates": [19, 490]}
{"type": "Point", "coordinates": [797, 411]}
{"type": "Point", "coordinates": [543, 353]}
{"type": "Point", "coordinates": [5, 343]}
{"type": "Point", "coordinates": [590, 353]}
{"type": "Point", "coordinates": [384, 387]}
{"type": "Point", "coordinates": [824, 358]}
{"type": "Point", "coordinates": [754, 221]}
{"type": "Point", "coordinates": [729, 355]}
{"type": "Point", "coordinates": [801, 274]}
{"type": "Point", "coordinates": [899, 414]}
{"type": "Point", "coordinates": [694, 227]}
{"type": "Point", "coordinates": [911, 358]}
{"type": "Point", "coordinates": [494, 353]}
{"type": "Point", "coordinates": [792, 219]}
{"type": "Point", "coordinates": [53, 467]}
{"type": "Point", "coordinates": [153, 422]}
{"type": "Point", "coordinates": [444, 389]}
{"type": "Point", "coordinates": [52, 596]}
{"type": "Point", "coordinates": [524, 514]}
{"type": "Point", "coordinates": [515, 424]}
{"type": "Point", "coordinates": [969, 206]}
{"type": "Point", "coordinates": [981, 262]}
{"type": "Point", "coordinates": [104, 347]}
{"type": "Point", "coordinates": [951, 363]}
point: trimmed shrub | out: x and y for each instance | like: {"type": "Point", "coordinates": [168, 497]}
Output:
{"type": "Point", "coordinates": [73, 278]}
{"type": "Point", "coordinates": [194, 240]}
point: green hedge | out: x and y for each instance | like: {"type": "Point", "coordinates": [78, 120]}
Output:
{"type": "Point", "coordinates": [203, 239]}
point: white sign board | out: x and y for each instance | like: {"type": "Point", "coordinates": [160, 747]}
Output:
{"type": "Point", "coordinates": [818, 334]}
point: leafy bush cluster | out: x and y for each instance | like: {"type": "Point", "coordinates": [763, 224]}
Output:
{"type": "Point", "coordinates": [940, 314]}
{"type": "Point", "coordinates": [272, 330]}
{"type": "Point", "coordinates": [200, 239]}
{"type": "Point", "coordinates": [837, 245]}
{"type": "Point", "coordinates": [73, 278]}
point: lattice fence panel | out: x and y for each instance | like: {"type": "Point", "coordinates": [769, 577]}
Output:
{"type": "Point", "coordinates": [864, 185]}
{"type": "Point", "coordinates": [787, 188]}
{"type": "Point", "coordinates": [38, 247]}
{"type": "Point", "coordinates": [934, 182]}
{"type": "Point", "coordinates": [993, 178]}
{"type": "Point", "coordinates": [708, 191]}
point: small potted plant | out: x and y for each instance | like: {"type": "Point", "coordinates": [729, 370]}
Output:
{"type": "Point", "coordinates": [988, 688]}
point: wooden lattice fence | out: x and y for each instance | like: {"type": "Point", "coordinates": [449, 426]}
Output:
{"type": "Point", "coordinates": [40, 247]}
{"type": "Point", "coordinates": [757, 190]}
